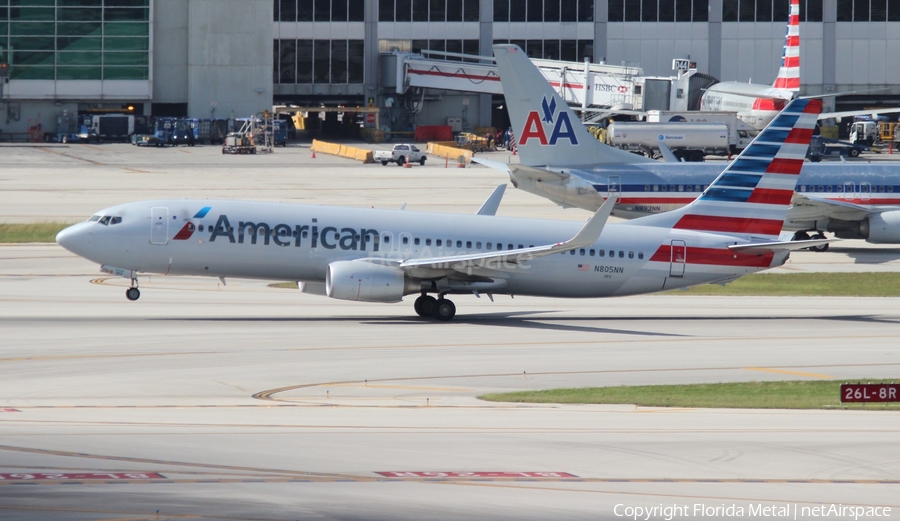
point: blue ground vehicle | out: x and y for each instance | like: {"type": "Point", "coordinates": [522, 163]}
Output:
{"type": "Point", "coordinates": [174, 131]}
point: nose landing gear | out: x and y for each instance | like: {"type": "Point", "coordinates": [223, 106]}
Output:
{"type": "Point", "coordinates": [133, 293]}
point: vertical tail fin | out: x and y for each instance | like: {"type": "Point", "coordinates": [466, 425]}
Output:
{"type": "Point", "coordinates": [789, 74]}
{"type": "Point", "coordinates": [547, 131]}
{"type": "Point", "coordinates": [751, 197]}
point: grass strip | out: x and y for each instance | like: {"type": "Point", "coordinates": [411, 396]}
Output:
{"type": "Point", "coordinates": [30, 232]}
{"type": "Point", "coordinates": [867, 284]}
{"type": "Point", "coordinates": [815, 394]}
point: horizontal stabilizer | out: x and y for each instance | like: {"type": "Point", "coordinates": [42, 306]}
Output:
{"type": "Point", "coordinates": [538, 174]}
{"type": "Point", "coordinates": [782, 246]}
{"type": "Point", "coordinates": [493, 165]}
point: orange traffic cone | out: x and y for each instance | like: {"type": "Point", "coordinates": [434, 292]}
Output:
{"type": "Point", "coordinates": [314, 153]}
{"type": "Point", "coordinates": [407, 163]}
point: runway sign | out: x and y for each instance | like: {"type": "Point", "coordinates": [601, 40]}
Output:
{"type": "Point", "coordinates": [39, 476]}
{"type": "Point", "coordinates": [530, 475]}
{"type": "Point", "coordinates": [856, 393]}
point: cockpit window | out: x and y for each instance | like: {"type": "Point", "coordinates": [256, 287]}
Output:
{"type": "Point", "coordinates": [104, 220]}
{"type": "Point", "coordinates": [115, 220]}
{"type": "Point", "coordinates": [94, 218]}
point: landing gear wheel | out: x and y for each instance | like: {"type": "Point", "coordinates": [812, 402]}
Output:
{"type": "Point", "coordinates": [425, 305]}
{"type": "Point", "coordinates": [444, 310]}
{"type": "Point", "coordinates": [132, 294]}
{"type": "Point", "coordinates": [801, 236]}
{"type": "Point", "coordinates": [822, 247]}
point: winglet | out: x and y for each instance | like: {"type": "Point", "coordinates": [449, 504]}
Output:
{"type": "Point", "coordinates": [592, 229]}
{"type": "Point", "coordinates": [667, 153]}
{"type": "Point", "coordinates": [493, 202]}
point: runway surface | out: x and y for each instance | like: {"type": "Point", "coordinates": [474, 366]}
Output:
{"type": "Point", "coordinates": [203, 401]}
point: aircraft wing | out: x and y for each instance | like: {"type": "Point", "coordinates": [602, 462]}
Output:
{"type": "Point", "coordinates": [848, 113]}
{"type": "Point", "coordinates": [809, 207]}
{"type": "Point", "coordinates": [588, 235]}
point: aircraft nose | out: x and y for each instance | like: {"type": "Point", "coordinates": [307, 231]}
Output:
{"type": "Point", "coordinates": [74, 238]}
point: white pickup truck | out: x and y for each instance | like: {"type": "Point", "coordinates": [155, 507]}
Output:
{"type": "Point", "coordinates": [400, 155]}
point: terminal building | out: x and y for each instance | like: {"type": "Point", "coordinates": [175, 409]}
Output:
{"type": "Point", "coordinates": [235, 58]}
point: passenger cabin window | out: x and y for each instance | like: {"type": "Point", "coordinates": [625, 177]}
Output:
{"type": "Point", "coordinates": [478, 245]}
{"type": "Point", "coordinates": [416, 241]}
{"type": "Point", "coordinates": [631, 255]}
{"type": "Point", "coordinates": [405, 240]}
{"type": "Point", "coordinates": [601, 253]}
{"type": "Point", "coordinates": [640, 255]}
{"type": "Point", "coordinates": [468, 244]}
{"type": "Point", "coordinates": [437, 242]}
{"type": "Point", "coordinates": [459, 244]}
{"type": "Point", "coordinates": [622, 254]}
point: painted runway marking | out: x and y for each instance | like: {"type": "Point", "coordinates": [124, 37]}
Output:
{"type": "Point", "coordinates": [792, 373]}
{"type": "Point", "coordinates": [447, 477]}
{"type": "Point", "coordinates": [531, 475]}
{"type": "Point", "coordinates": [9, 409]}
{"type": "Point", "coordinates": [40, 476]}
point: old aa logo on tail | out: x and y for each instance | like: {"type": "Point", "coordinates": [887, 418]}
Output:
{"type": "Point", "coordinates": [560, 129]}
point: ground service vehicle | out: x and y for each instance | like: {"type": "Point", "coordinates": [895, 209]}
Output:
{"type": "Point", "coordinates": [400, 154]}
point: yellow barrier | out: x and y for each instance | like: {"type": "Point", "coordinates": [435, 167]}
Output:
{"type": "Point", "coordinates": [359, 154]}
{"type": "Point", "coordinates": [451, 152]}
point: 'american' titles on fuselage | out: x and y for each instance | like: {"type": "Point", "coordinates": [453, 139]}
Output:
{"type": "Point", "coordinates": [330, 238]}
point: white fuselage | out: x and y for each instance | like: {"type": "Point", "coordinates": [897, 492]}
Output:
{"type": "Point", "coordinates": [293, 242]}
{"type": "Point", "coordinates": [756, 105]}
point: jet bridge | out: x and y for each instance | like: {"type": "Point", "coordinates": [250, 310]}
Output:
{"type": "Point", "coordinates": [596, 88]}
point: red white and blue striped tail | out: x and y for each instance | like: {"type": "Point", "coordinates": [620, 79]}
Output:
{"type": "Point", "coordinates": [751, 197]}
{"type": "Point", "coordinates": [789, 74]}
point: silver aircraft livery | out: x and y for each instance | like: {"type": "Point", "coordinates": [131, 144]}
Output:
{"type": "Point", "coordinates": [370, 255]}
{"type": "Point", "coordinates": [855, 200]}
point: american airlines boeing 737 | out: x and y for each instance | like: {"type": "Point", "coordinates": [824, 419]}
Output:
{"type": "Point", "coordinates": [381, 256]}
{"type": "Point", "coordinates": [567, 165]}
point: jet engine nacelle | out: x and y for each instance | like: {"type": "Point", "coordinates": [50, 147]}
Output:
{"type": "Point", "coordinates": [367, 282]}
{"type": "Point", "coordinates": [882, 228]}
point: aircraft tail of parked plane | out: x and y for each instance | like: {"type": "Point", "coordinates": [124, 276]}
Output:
{"type": "Point", "coordinates": [547, 131]}
{"type": "Point", "coordinates": [789, 73]}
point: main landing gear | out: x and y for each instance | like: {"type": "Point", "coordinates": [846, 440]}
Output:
{"type": "Point", "coordinates": [805, 236]}
{"type": "Point", "coordinates": [133, 293]}
{"type": "Point", "coordinates": [439, 308]}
